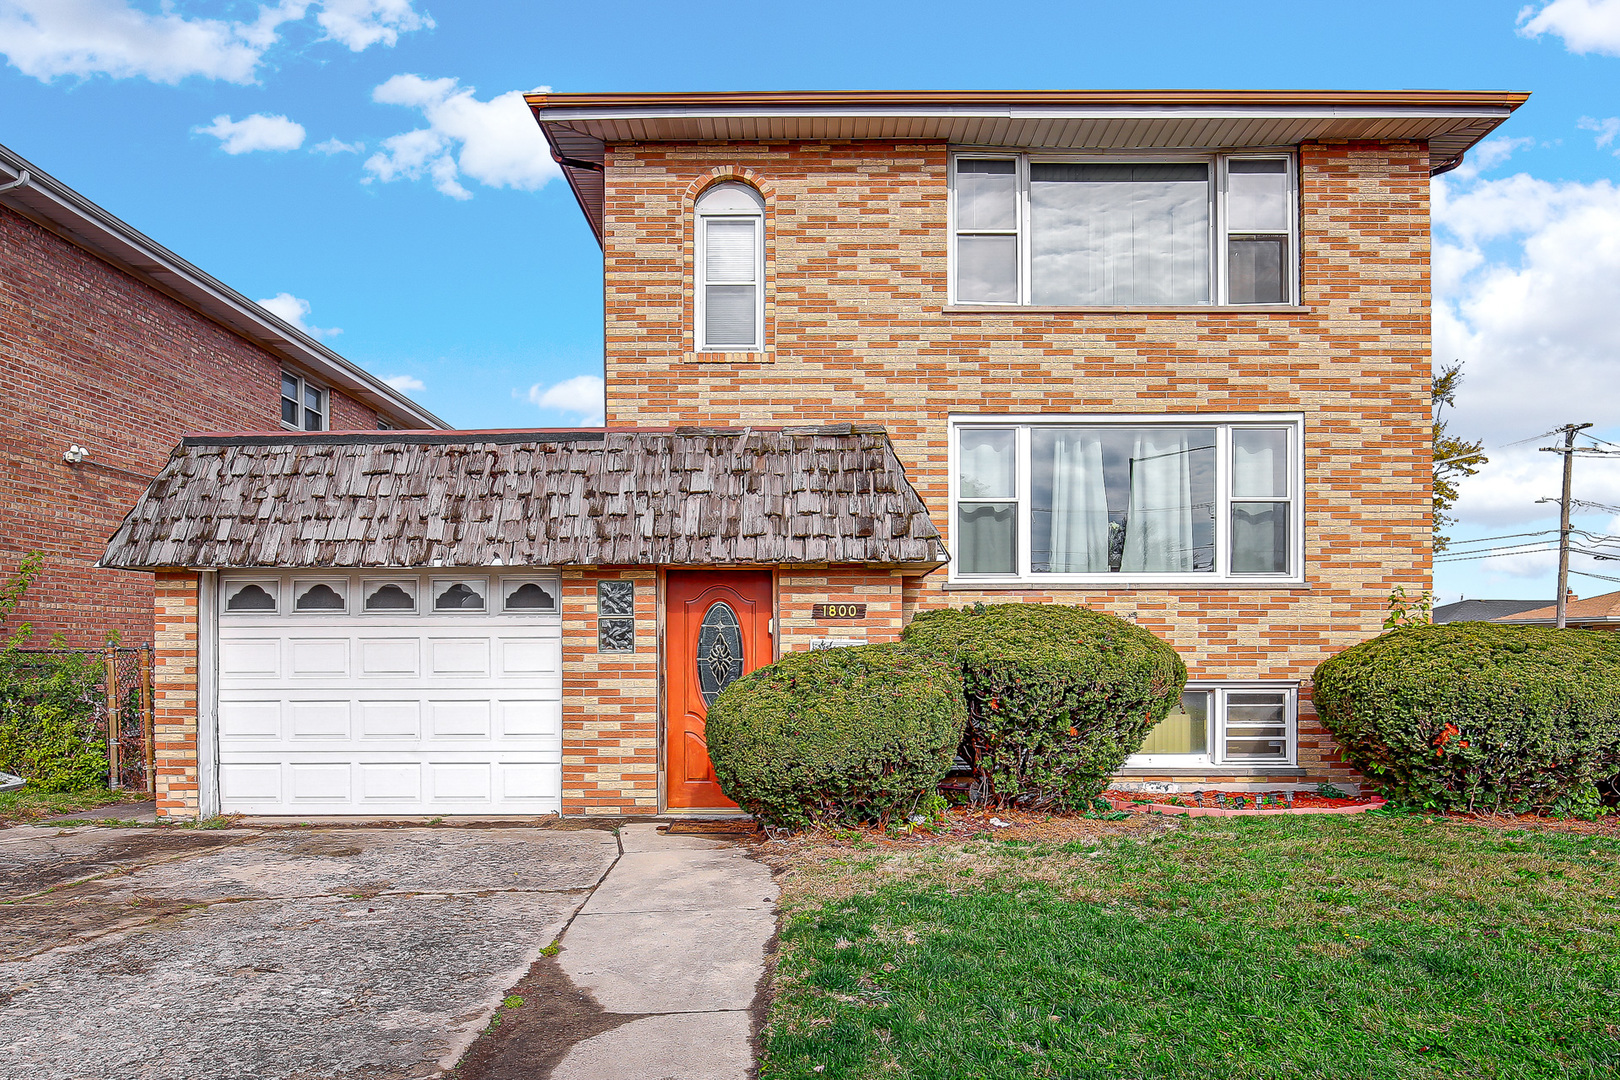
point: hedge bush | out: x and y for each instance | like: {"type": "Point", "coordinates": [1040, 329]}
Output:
{"type": "Point", "coordinates": [1058, 697]}
{"type": "Point", "coordinates": [1477, 716]}
{"type": "Point", "coordinates": [49, 731]}
{"type": "Point", "coordinates": [853, 734]}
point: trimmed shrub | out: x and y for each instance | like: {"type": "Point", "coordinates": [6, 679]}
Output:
{"type": "Point", "coordinates": [853, 734]}
{"type": "Point", "coordinates": [1058, 697]}
{"type": "Point", "coordinates": [1477, 716]}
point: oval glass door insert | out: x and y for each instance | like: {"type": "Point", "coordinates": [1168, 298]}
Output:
{"type": "Point", "coordinates": [719, 651]}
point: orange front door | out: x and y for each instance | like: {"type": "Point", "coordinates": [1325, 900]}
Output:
{"type": "Point", "coordinates": [717, 627]}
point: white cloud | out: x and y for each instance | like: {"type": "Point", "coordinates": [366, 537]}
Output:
{"type": "Point", "coordinates": [295, 310]}
{"type": "Point", "coordinates": [581, 397]}
{"type": "Point", "coordinates": [405, 384]}
{"type": "Point", "coordinates": [494, 142]}
{"type": "Point", "coordinates": [1527, 284]}
{"type": "Point", "coordinates": [1585, 25]}
{"type": "Point", "coordinates": [51, 38]}
{"type": "Point", "coordinates": [337, 146]}
{"type": "Point", "coordinates": [1488, 155]}
{"type": "Point", "coordinates": [1606, 129]}
{"type": "Point", "coordinates": [360, 24]}
{"type": "Point", "coordinates": [261, 131]}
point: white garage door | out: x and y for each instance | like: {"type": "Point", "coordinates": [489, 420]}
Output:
{"type": "Point", "coordinates": [376, 694]}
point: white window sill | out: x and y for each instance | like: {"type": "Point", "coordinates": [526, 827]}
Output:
{"type": "Point", "coordinates": [1191, 309]}
{"type": "Point", "coordinates": [1118, 583]}
{"type": "Point", "coordinates": [1281, 769]}
{"type": "Point", "coordinates": [719, 356]}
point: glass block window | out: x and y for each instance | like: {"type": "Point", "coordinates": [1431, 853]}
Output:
{"type": "Point", "coordinates": [615, 616]}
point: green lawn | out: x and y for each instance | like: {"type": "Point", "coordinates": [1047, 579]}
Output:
{"type": "Point", "coordinates": [1372, 946]}
{"type": "Point", "coordinates": [25, 805]}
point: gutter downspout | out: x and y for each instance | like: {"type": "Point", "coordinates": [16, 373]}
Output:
{"type": "Point", "coordinates": [22, 180]}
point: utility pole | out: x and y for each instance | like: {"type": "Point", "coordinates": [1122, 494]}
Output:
{"type": "Point", "coordinates": [1568, 450]}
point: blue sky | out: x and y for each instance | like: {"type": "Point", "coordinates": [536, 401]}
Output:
{"type": "Point", "coordinates": [387, 183]}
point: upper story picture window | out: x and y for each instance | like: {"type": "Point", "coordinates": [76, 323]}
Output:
{"type": "Point", "coordinates": [303, 404]}
{"type": "Point", "coordinates": [1212, 229]}
{"type": "Point", "coordinates": [1145, 499]}
{"type": "Point", "coordinates": [730, 269]}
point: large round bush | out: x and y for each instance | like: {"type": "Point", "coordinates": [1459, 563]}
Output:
{"type": "Point", "coordinates": [850, 734]}
{"type": "Point", "coordinates": [1472, 716]}
{"type": "Point", "coordinates": [1058, 697]}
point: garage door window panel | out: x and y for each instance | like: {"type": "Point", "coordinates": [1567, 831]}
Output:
{"type": "Point", "coordinates": [251, 597]}
{"type": "Point", "coordinates": [528, 597]}
{"type": "Point", "coordinates": [460, 595]}
{"type": "Point", "coordinates": [391, 597]}
{"type": "Point", "coordinates": [321, 597]}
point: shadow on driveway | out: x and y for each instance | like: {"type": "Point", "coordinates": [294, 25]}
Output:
{"type": "Point", "coordinates": [273, 953]}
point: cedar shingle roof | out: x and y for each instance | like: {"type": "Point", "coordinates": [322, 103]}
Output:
{"type": "Point", "coordinates": [687, 497]}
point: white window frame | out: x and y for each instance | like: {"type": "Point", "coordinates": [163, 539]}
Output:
{"type": "Point", "coordinates": [1217, 163]}
{"type": "Point", "coordinates": [304, 386]}
{"type": "Point", "coordinates": [1215, 758]}
{"type": "Point", "coordinates": [1225, 423]}
{"type": "Point", "coordinates": [701, 219]}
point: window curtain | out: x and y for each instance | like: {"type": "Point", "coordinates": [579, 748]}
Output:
{"type": "Point", "coordinates": [1159, 521]}
{"type": "Point", "coordinates": [1079, 504]}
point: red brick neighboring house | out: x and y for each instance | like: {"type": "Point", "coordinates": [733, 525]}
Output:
{"type": "Point", "coordinates": [113, 344]}
{"type": "Point", "coordinates": [1165, 354]}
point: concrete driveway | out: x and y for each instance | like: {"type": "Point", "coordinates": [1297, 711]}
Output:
{"type": "Point", "coordinates": [273, 953]}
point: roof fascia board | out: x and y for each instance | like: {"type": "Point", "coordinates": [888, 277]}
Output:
{"type": "Point", "coordinates": [86, 225]}
{"type": "Point", "coordinates": [562, 114]}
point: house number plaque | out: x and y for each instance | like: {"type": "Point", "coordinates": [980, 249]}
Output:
{"type": "Point", "coordinates": [838, 611]}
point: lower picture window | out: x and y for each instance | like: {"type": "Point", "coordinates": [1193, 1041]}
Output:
{"type": "Point", "coordinates": [1224, 725]}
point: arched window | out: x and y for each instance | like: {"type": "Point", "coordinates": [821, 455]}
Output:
{"type": "Point", "coordinates": [731, 269]}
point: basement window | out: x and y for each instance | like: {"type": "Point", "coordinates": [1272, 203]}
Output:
{"type": "Point", "coordinates": [1223, 725]}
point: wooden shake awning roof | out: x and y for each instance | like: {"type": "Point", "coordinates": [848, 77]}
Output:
{"type": "Point", "coordinates": [682, 497]}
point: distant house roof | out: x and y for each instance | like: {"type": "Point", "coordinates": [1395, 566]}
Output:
{"type": "Point", "coordinates": [52, 205]}
{"type": "Point", "coordinates": [1482, 610]}
{"type": "Point", "coordinates": [1594, 609]}
{"type": "Point", "coordinates": [687, 496]}
{"type": "Point", "coordinates": [580, 126]}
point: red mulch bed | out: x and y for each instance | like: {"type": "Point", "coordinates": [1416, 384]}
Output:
{"type": "Point", "coordinates": [1215, 797]}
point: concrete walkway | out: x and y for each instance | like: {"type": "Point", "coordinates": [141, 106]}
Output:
{"type": "Point", "coordinates": [673, 940]}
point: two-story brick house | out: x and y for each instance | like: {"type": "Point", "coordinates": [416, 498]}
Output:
{"type": "Point", "coordinates": [1162, 353]}
{"type": "Point", "coordinates": [111, 348]}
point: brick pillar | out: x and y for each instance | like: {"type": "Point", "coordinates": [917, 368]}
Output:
{"type": "Point", "coordinates": [174, 685]}
{"type": "Point", "coordinates": [610, 702]}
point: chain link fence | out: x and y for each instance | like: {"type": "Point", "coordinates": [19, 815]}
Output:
{"type": "Point", "coordinates": [122, 708]}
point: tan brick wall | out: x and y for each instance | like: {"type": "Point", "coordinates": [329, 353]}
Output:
{"type": "Point", "coordinates": [610, 702]}
{"type": "Point", "coordinates": [798, 590]}
{"type": "Point", "coordinates": [174, 690]}
{"type": "Point", "coordinates": [860, 330]}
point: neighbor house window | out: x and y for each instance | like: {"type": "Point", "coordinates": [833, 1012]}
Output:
{"type": "Point", "coordinates": [1224, 725]}
{"type": "Point", "coordinates": [303, 404]}
{"type": "Point", "coordinates": [1160, 499]}
{"type": "Point", "coordinates": [730, 269]}
{"type": "Point", "coordinates": [1206, 229]}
